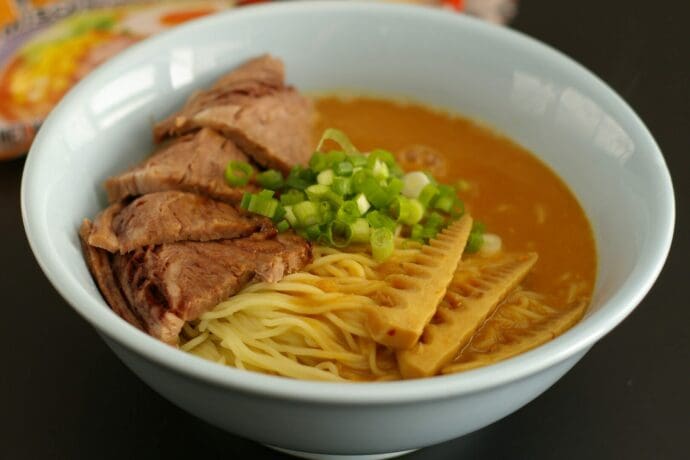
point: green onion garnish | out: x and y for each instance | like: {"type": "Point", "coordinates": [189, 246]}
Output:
{"type": "Point", "coordinates": [263, 205]}
{"type": "Point", "coordinates": [476, 238]}
{"type": "Point", "coordinates": [339, 234]}
{"type": "Point", "coordinates": [348, 212]}
{"type": "Point", "coordinates": [428, 194]}
{"type": "Point", "coordinates": [318, 162]}
{"type": "Point", "coordinates": [343, 168]}
{"type": "Point", "coordinates": [292, 197]}
{"type": "Point", "coordinates": [407, 211]}
{"type": "Point", "coordinates": [271, 179]}
{"type": "Point", "coordinates": [346, 197]}
{"type": "Point", "coordinates": [307, 213]}
{"type": "Point", "coordinates": [246, 198]}
{"type": "Point", "coordinates": [360, 230]}
{"type": "Point", "coordinates": [342, 186]}
{"type": "Point", "coordinates": [339, 138]}
{"type": "Point", "coordinates": [317, 192]}
{"type": "Point", "coordinates": [377, 219]}
{"type": "Point", "coordinates": [238, 173]}
{"type": "Point", "coordinates": [382, 243]}
{"type": "Point", "coordinates": [325, 177]}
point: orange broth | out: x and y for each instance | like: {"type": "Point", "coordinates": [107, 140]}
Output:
{"type": "Point", "coordinates": [517, 196]}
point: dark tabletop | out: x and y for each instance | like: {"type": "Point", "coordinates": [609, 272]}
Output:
{"type": "Point", "coordinates": [63, 394]}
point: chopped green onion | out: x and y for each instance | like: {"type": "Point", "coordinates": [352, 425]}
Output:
{"type": "Point", "coordinates": [381, 155]}
{"type": "Point", "coordinates": [263, 205]}
{"type": "Point", "coordinates": [325, 177]}
{"type": "Point", "coordinates": [357, 160]}
{"type": "Point", "coordinates": [270, 179]}
{"type": "Point", "coordinates": [343, 168]}
{"type": "Point", "coordinates": [417, 233]}
{"type": "Point", "coordinates": [307, 213]}
{"type": "Point", "coordinates": [333, 198]}
{"type": "Point", "coordinates": [339, 234]}
{"type": "Point", "coordinates": [414, 183]}
{"type": "Point", "coordinates": [339, 138]}
{"type": "Point", "coordinates": [407, 211]}
{"type": "Point", "coordinates": [359, 178]}
{"type": "Point", "coordinates": [380, 170]}
{"type": "Point", "coordinates": [246, 198]}
{"type": "Point", "coordinates": [434, 220]}
{"type": "Point", "coordinates": [300, 178]}
{"type": "Point", "coordinates": [326, 212]}
{"type": "Point", "coordinates": [377, 219]}
{"type": "Point", "coordinates": [429, 232]}
{"type": "Point", "coordinates": [318, 162]}
{"type": "Point", "coordinates": [478, 226]}
{"type": "Point", "coordinates": [313, 232]}
{"type": "Point", "coordinates": [360, 230]}
{"type": "Point", "coordinates": [345, 196]}
{"type": "Point", "coordinates": [458, 209]}
{"type": "Point", "coordinates": [395, 186]}
{"type": "Point", "coordinates": [375, 194]}
{"type": "Point", "coordinates": [445, 189]}
{"type": "Point", "coordinates": [317, 192]}
{"type": "Point", "coordinates": [362, 203]}
{"type": "Point", "coordinates": [474, 242]}
{"type": "Point", "coordinates": [428, 194]}
{"type": "Point", "coordinates": [292, 196]}
{"type": "Point", "coordinates": [476, 238]}
{"type": "Point", "coordinates": [335, 157]}
{"type": "Point", "coordinates": [342, 186]}
{"type": "Point", "coordinates": [445, 203]}
{"type": "Point", "coordinates": [290, 216]}
{"type": "Point", "coordinates": [279, 213]}
{"type": "Point", "coordinates": [238, 173]}
{"type": "Point", "coordinates": [348, 212]}
{"type": "Point", "coordinates": [382, 243]}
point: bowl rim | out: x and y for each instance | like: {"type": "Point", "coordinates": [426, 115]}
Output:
{"type": "Point", "coordinates": [578, 339]}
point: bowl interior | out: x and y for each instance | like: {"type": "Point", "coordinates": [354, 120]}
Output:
{"type": "Point", "coordinates": [523, 89]}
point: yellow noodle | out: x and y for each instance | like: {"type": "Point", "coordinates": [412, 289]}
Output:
{"type": "Point", "coordinates": [309, 325]}
{"type": "Point", "coordinates": [313, 324]}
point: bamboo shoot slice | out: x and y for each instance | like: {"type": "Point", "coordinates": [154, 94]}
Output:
{"type": "Point", "coordinates": [410, 296]}
{"type": "Point", "coordinates": [478, 286]}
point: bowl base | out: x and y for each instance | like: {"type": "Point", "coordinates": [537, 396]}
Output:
{"type": "Point", "coordinates": [313, 456]}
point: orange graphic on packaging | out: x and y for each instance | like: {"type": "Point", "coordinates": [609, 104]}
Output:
{"type": "Point", "coordinates": [178, 17]}
{"type": "Point", "coordinates": [8, 12]}
{"type": "Point", "coordinates": [42, 3]}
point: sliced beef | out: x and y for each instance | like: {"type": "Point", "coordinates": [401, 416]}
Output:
{"type": "Point", "coordinates": [158, 288]}
{"type": "Point", "coordinates": [252, 106]}
{"type": "Point", "coordinates": [98, 262]}
{"type": "Point", "coordinates": [167, 217]}
{"type": "Point", "coordinates": [172, 283]}
{"type": "Point", "coordinates": [192, 163]}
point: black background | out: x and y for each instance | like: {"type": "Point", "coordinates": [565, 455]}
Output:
{"type": "Point", "coordinates": [63, 394]}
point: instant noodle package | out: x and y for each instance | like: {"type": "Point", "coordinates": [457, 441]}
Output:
{"type": "Point", "coordinates": [46, 46]}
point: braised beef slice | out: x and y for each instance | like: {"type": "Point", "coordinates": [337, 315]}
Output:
{"type": "Point", "coordinates": [192, 163]}
{"type": "Point", "coordinates": [98, 262]}
{"type": "Point", "coordinates": [171, 283]}
{"type": "Point", "coordinates": [252, 106]}
{"type": "Point", "coordinates": [166, 217]}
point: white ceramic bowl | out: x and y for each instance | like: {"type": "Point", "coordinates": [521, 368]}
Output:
{"type": "Point", "coordinates": [524, 89]}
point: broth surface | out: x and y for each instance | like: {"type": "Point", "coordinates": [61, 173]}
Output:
{"type": "Point", "coordinates": [517, 196]}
